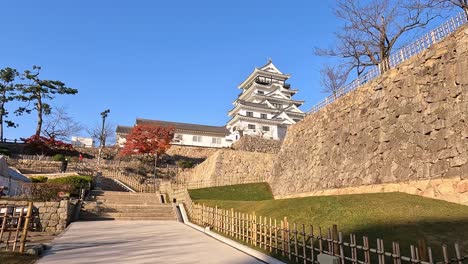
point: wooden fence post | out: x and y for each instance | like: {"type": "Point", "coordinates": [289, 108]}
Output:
{"type": "Point", "coordinates": [25, 227]}
{"type": "Point", "coordinates": [232, 222]}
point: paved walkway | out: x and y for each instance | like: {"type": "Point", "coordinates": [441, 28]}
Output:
{"type": "Point", "coordinates": [138, 242]}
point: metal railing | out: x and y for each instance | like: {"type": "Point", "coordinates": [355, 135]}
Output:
{"type": "Point", "coordinates": [397, 57]}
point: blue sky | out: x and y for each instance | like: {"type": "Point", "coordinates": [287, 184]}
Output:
{"type": "Point", "coordinates": [168, 60]}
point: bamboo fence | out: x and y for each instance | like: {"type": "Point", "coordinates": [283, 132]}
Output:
{"type": "Point", "coordinates": [303, 244]}
{"type": "Point", "coordinates": [14, 227]}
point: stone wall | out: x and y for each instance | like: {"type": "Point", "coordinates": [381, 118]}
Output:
{"type": "Point", "coordinates": [189, 152]}
{"type": "Point", "coordinates": [226, 167]}
{"type": "Point", "coordinates": [53, 217]}
{"type": "Point", "coordinates": [408, 124]}
{"type": "Point", "coordinates": [257, 144]}
{"type": "Point", "coordinates": [453, 190]}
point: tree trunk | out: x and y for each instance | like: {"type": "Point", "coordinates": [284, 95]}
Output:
{"type": "Point", "coordinates": [39, 117]}
{"type": "Point", "coordinates": [2, 111]}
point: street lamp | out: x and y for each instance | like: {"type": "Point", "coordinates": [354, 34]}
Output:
{"type": "Point", "coordinates": [102, 138]}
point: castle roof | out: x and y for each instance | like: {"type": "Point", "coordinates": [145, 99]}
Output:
{"type": "Point", "coordinates": [186, 127]}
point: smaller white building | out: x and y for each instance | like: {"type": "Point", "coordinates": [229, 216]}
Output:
{"type": "Point", "coordinates": [82, 142]}
{"type": "Point", "coordinates": [185, 134]}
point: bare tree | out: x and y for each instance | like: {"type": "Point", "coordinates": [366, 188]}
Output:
{"type": "Point", "coordinates": [463, 4]}
{"type": "Point", "coordinates": [60, 125]}
{"type": "Point", "coordinates": [108, 132]}
{"type": "Point", "coordinates": [333, 79]}
{"type": "Point", "coordinates": [372, 28]}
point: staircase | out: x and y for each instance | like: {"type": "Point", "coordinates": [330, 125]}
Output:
{"type": "Point", "coordinates": [112, 205]}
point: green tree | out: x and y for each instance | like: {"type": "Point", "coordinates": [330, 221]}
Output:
{"type": "Point", "coordinates": [37, 91]}
{"type": "Point", "coordinates": [7, 94]}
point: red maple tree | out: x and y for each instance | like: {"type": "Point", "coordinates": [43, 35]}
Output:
{"type": "Point", "coordinates": [148, 139]}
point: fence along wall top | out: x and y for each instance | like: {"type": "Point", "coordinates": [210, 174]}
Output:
{"type": "Point", "coordinates": [399, 56]}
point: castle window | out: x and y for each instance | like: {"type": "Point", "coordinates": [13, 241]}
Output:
{"type": "Point", "coordinates": [250, 126]}
{"type": "Point", "coordinates": [216, 140]}
{"type": "Point", "coordinates": [197, 139]}
{"type": "Point", "coordinates": [260, 92]}
{"type": "Point", "coordinates": [266, 128]}
{"type": "Point", "coordinates": [250, 114]}
{"type": "Point", "coordinates": [263, 116]}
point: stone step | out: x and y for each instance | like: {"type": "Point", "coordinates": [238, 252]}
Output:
{"type": "Point", "coordinates": [134, 210]}
{"type": "Point", "coordinates": [125, 214]}
{"type": "Point", "coordinates": [111, 193]}
{"type": "Point", "coordinates": [110, 205]}
{"type": "Point", "coordinates": [115, 203]}
{"type": "Point", "coordinates": [129, 219]}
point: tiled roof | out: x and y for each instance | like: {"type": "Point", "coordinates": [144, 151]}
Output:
{"type": "Point", "coordinates": [258, 105]}
{"type": "Point", "coordinates": [123, 129]}
{"type": "Point", "coordinates": [186, 127]}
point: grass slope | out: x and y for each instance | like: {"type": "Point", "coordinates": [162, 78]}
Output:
{"type": "Point", "coordinates": [240, 192]}
{"type": "Point", "coordinates": [391, 216]}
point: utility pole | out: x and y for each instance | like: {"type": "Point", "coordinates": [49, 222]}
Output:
{"type": "Point", "coordinates": [102, 138]}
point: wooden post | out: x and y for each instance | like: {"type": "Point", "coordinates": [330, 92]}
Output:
{"type": "Point", "coordinates": [25, 228]}
{"type": "Point", "coordinates": [366, 249]}
{"type": "Point", "coordinates": [3, 227]}
{"type": "Point", "coordinates": [458, 253]}
{"type": "Point", "coordinates": [260, 231]}
{"type": "Point", "coordinates": [18, 227]}
{"type": "Point", "coordinates": [320, 238]}
{"type": "Point", "coordinates": [270, 235]}
{"type": "Point", "coordinates": [422, 249]}
{"type": "Point", "coordinates": [265, 234]}
{"type": "Point", "coordinates": [232, 222]}
{"type": "Point", "coordinates": [336, 249]}
{"type": "Point", "coordinates": [304, 252]}
{"type": "Point", "coordinates": [445, 254]}
{"type": "Point", "coordinates": [341, 248]}
{"type": "Point", "coordinates": [288, 237]}
{"type": "Point", "coordinates": [283, 248]}
{"type": "Point", "coordinates": [276, 237]}
{"type": "Point", "coordinates": [312, 253]}
{"type": "Point", "coordinates": [216, 219]}
{"type": "Point", "coordinates": [295, 243]}
{"type": "Point", "coordinates": [352, 238]}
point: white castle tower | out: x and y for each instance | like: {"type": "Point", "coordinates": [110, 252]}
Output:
{"type": "Point", "coordinates": [265, 107]}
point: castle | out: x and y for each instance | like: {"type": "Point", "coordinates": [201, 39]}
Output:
{"type": "Point", "coordinates": [264, 108]}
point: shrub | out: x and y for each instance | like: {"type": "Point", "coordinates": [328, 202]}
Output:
{"type": "Point", "coordinates": [58, 157]}
{"type": "Point", "coordinates": [76, 183]}
{"type": "Point", "coordinates": [5, 152]}
{"type": "Point", "coordinates": [39, 179]}
{"type": "Point", "coordinates": [46, 191]}
{"type": "Point", "coordinates": [185, 164]}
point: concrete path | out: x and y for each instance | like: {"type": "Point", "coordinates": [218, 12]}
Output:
{"type": "Point", "coordinates": [138, 242]}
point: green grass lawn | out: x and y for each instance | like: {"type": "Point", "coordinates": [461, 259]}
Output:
{"type": "Point", "coordinates": [240, 192]}
{"type": "Point", "coordinates": [16, 258]}
{"type": "Point", "coordinates": [390, 216]}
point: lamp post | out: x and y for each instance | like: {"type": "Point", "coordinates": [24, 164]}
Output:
{"type": "Point", "coordinates": [102, 138]}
